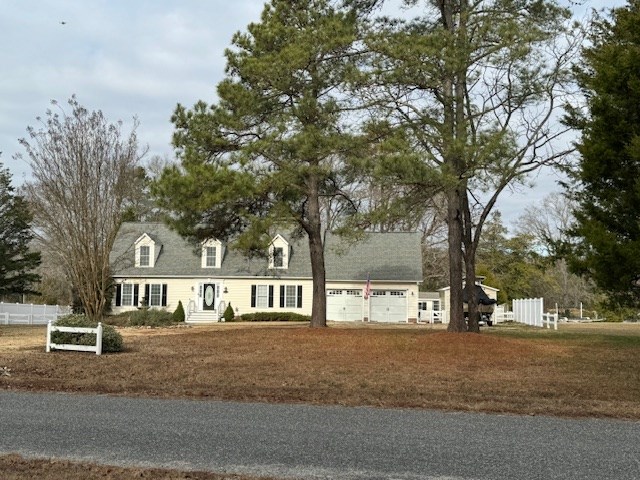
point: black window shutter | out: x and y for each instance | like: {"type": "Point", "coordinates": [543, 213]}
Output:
{"type": "Point", "coordinates": [270, 296]}
{"type": "Point", "coordinates": [253, 296]}
{"type": "Point", "coordinates": [164, 294]}
{"type": "Point", "coordinates": [281, 296]}
{"type": "Point", "coordinates": [136, 293]}
{"type": "Point", "coordinates": [118, 295]}
{"type": "Point", "coordinates": [146, 295]}
{"type": "Point", "coordinates": [299, 296]}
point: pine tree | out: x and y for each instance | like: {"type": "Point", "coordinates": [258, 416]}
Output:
{"type": "Point", "coordinates": [607, 178]}
{"type": "Point", "coordinates": [267, 155]}
{"type": "Point", "coordinates": [17, 262]}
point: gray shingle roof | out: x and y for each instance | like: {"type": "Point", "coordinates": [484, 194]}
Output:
{"type": "Point", "coordinates": [382, 256]}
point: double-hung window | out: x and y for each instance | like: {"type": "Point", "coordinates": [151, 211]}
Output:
{"type": "Point", "coordinates": [127, 294]}
{"type": "Point", "coordinates": [210, 253]}
{"type": "Point", "coordinates": [278, 257]}
{"type": "Point", "coordinates": [261, 296]}
{"type": "Point", "coordinates": [290, 296]}
{"type": "Point", "coordinates": [145, 256]}
{"type": "Point", "coordinates": [155, 294]}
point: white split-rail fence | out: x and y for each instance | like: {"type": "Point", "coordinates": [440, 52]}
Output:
{"type": "Point", "coordinates": [30, 314]}
{"type": "Point", "coordinates": [80, 348]}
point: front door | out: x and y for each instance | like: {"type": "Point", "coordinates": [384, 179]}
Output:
{"type": "Point", "coordinates": [209, 296]}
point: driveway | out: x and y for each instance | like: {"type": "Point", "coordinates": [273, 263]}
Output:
{"type": "Point", "coordinates": [302, 441]}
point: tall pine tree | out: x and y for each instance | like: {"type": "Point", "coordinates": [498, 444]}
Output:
{"type": "Point", "coordinates": [17, 262]}
{"type": "Point", "coordinates": [271, 152]}
{"type": "Point", "coordinates": [607, 177]}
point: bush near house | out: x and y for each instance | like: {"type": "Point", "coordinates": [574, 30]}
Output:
{"type": "Point", "coordinates": [229, 315]}
{"type": "Point", "coordinates": [274, 317]}
{"type": "Point", "coordinates": [111, 340]}
{"type": "Point", "coordinates": [178, 315]}
{"type": "Point", "coordinates": [145, 317]}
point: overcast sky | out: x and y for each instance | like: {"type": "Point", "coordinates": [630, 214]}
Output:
{"type": "Point", "coordinates": [135, 57]}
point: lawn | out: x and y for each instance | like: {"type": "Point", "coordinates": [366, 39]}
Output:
{"type": "Point", "coordinates": [577, 371]}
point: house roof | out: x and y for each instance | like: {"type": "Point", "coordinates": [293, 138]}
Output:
{"type": "Point", "coordinates": [380, 256]}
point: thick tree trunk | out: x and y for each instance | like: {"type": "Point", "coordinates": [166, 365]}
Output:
{"type": "Point", "coordinates": [473, 313]}
{"type": "Point", "coordinates": [316, 251]}
{"type": "Point", "coordinates": [454, 222]}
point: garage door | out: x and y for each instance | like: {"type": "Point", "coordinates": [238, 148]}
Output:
{"type": "Point", "coordinates": [344, 305]}
{"type": "Point", "coordinates": [388, 306]}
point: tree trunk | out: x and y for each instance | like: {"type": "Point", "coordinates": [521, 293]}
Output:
{"type": "Point", "coordinates": [473, 312]}
{"type": "Point", "coordinates": [454, 222]}
{"type": "Point", "coordinates": [316, 251]}
{"type": "Point", "coordinates": [470, 247]}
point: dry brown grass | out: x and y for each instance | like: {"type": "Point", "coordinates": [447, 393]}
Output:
{"type": "Point", "coordinates": [15, 467]}
{"type": "Point", "coordinates": [578, 371]}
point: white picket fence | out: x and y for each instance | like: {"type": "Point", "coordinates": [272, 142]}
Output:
{"type": "Point", "coordinates": [530, 311]}
{"type": "Point", "coordinates": [30, 314]}
{"type": "Point", "coordinates": [80, 348]}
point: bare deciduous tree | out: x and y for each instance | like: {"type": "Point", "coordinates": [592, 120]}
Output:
{"type": "Point", "coordinates": [82, 168]}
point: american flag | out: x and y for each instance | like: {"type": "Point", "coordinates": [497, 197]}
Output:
{"type": "Point", "coordinates": [367, 288]}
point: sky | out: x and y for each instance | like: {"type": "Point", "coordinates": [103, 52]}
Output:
{"type": "Point", "coordinates": [139, 58]}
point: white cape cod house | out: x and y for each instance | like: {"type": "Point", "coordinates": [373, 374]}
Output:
{"type": "Point", "coordinates": [152, 262]}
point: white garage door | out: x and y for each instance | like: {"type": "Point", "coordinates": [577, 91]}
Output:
{"type": "Point", "coordinates": [344, 305]}
{"type": "Point", "coordinates": [388, 306]}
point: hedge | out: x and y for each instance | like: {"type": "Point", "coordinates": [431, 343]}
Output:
{"type": "Point", "coordinates": [274, 317]}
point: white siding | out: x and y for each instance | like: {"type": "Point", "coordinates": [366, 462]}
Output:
{"type": "Point", "coordinates": [238, 293]}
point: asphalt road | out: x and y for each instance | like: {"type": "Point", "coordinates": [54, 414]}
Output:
{"type": "Point", "coordinates": [301, 441]}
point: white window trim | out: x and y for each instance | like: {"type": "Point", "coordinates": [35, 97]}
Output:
{"type": "Point", "coordinates": [126, 286]}
{"type": "Point", "coordinates": [291, 297]}
{"type": "Point", "coordinates": [158, 295]}
{"type": "Point", "coordinates": [262, 295]}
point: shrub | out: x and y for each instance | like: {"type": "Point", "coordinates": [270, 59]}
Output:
{"type": "Point", "coordinates": [150, 317]}
{"type": "Point", "coordinates": [274, 317]}
{"type": "Point", "coordinates": [111, 340]}
{"type": "Point", "coordinates": [178, 315]}
{"type": "Point", "coordinates": [228, 314]}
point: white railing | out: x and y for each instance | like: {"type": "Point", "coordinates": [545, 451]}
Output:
{"type": "Point", "coordinates": [30, 314]}
{"type": "Point", "coordinates": [432, 316]}
{"type": "Point", "coordinates": [501, 316]}
{"type": "Point", "coordinates": [530, 311]}
{"type": "Point", "coordinates": [191, 307]}
{"type": "Point", "coordinates": [550, 318]}
{"type": "Point", "coordinates": [80, 348]}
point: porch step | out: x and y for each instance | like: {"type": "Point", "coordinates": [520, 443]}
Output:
{"type": "Point", "coordinates": [203, 317]}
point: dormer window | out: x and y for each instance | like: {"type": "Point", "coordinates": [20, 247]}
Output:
{"type": "Point", "coordinates": [146, 251]}
{"type": "Point", "coordinates": [279, 253]}
{"type": "Point", "coordinates": [212, 253]}
{"type": "Point", "coordinates": [144, 256]}
{"type": "Point", "coordinates": [278, 257]}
